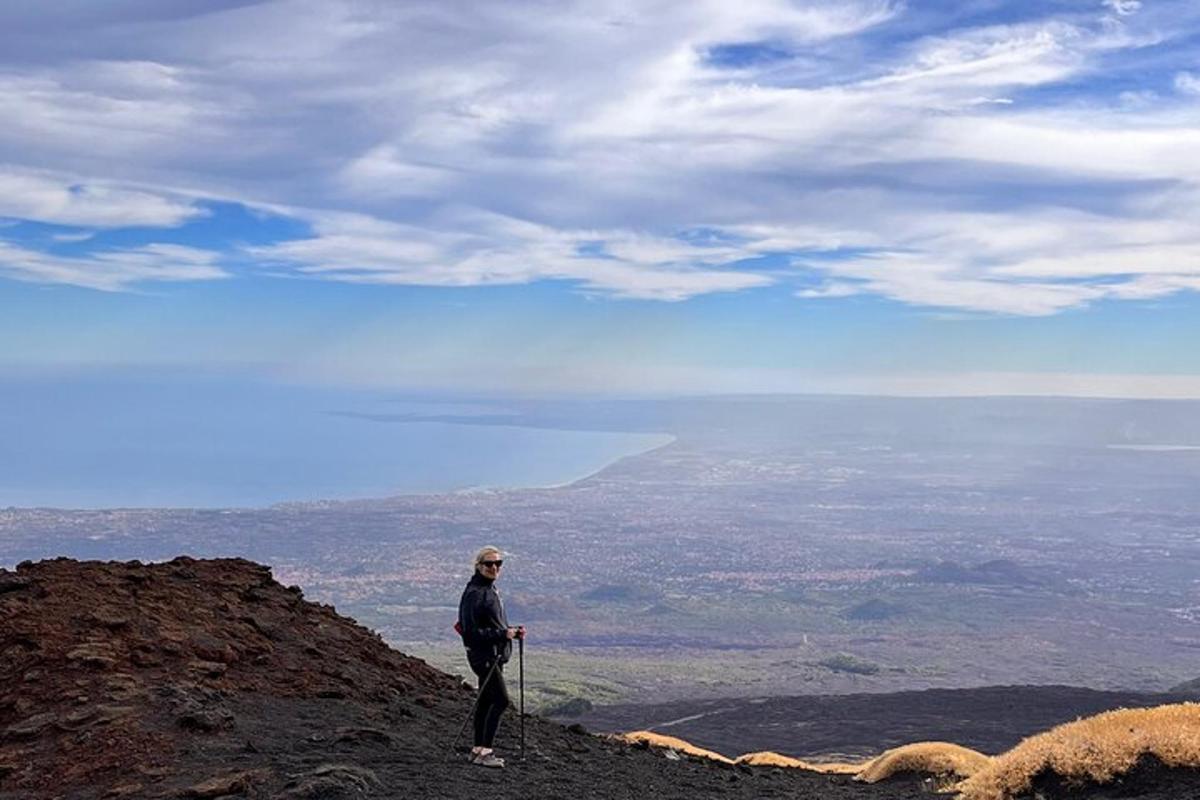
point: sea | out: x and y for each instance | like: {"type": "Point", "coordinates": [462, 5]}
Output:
{"type": "Point", "coordinates": [95, 441]}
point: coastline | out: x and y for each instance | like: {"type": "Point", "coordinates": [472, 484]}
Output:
{"type": "Point", "coordinates": [561, 457]}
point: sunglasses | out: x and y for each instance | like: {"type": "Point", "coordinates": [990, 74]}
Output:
{"type": "Point", "coordinates": [499, 562]}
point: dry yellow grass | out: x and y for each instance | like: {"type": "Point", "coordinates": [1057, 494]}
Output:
{"type": "Point", "coordinates": [768, 759]}
{"type": "Point", "coordinates": [930, 758]}
{"type": "Point", "coordinates": [658, 740]}
{"type": "Point", "coordinates": [763, 759]}
{"type": "Point", "coordinates": [1095, 749]}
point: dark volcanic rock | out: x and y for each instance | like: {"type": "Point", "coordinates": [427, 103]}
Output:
{"type": "Point", "coordinates": [1190, 688]}
{"type": "Point", "coordinates": [1149, 779]}
{"type": "Point", "coordinates": [989, 719]}
{"type": "Point", "coordinates": [208, 679]}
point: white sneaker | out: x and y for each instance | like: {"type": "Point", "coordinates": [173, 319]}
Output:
{"type": "Point", "coordinates": [488, 760]}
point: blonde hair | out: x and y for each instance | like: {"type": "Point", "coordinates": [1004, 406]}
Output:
{"type": "Point", "coordinates": [483, 554]}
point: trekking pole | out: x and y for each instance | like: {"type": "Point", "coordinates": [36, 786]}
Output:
{"type": "Point", "coordinates": [478, 697]}
{"type": "Point", "coordinates": [521, 684]}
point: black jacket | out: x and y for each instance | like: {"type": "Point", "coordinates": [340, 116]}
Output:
{"type": "Point", "coordinates": [484, 624]}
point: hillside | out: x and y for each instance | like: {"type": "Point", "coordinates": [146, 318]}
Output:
{"type": "Point", "coordinates": [207, 679]}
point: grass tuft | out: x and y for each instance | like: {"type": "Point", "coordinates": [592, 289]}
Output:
{"type": "Point", "coordinates": [658, 740]}
{"type": "Point", "coordinates": [926, 758]}
{"type": "Point", "coordinates": [768, 759]}
{"type": "Point", "coordinates": [1093, 750]}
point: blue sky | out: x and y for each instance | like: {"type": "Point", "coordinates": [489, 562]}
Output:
{"type": "Point", "coordinates": [867, 196]}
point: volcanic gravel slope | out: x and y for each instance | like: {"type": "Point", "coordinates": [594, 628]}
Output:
{"type": "Point", "coordinates": [206, 679]}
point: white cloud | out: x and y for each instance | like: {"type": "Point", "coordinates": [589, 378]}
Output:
{"type": "Point", "coordinates": [55, 199]}
{"type": "Point", "coordinates": [446, 143]}
{"type": "Point", "coordinates": [114, 109]}
{"type": "Point", "coordinates": [832, 289]}
{"type": "Point", "coordinates": [470, 249]}
{"type": "Point", "coordinates": [1053, 143]}
{"type": "Point", "coordinates": [1187, 82]}
{"type": "Point", "coordinates": [1135, 259]}
{"type": "Point", "coordinates": [927, 280]}
{"type": "Point", "coordinates": [383, 171]}
{"type": "Point", "coordinates": [998, 56]}
{"type": "Point", "coordinates": [1123, 7]}
{"type": "Point", "coordinates": [113, 270]}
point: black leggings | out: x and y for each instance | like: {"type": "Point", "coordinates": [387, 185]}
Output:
{"type": "Point", "coordinates": [493, 699]}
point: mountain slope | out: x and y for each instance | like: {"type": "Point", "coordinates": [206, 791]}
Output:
{"type": "Point", "coordinates": [208, 679]}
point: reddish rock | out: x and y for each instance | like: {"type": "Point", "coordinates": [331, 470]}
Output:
{"type": "Point", "coordinates": [32, 727]}
{"type": "Point", "coordinates": [234, 783]}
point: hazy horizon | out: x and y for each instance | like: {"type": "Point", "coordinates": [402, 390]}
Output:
{"type": "Point", "coordinates": [99, 440]}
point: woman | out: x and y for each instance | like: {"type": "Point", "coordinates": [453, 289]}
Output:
{"type": "Point", "coordinates": [488, 639]}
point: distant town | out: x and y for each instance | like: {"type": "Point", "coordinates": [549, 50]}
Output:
{"type": "Point", "coordinates": [777, 548]}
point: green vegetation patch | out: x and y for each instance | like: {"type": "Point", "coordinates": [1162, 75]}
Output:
{"type": "Point", "coordinates": [845, 662]}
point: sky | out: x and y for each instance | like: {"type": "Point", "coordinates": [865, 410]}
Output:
{"type": "Point", "coordinates": [923, 197]}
